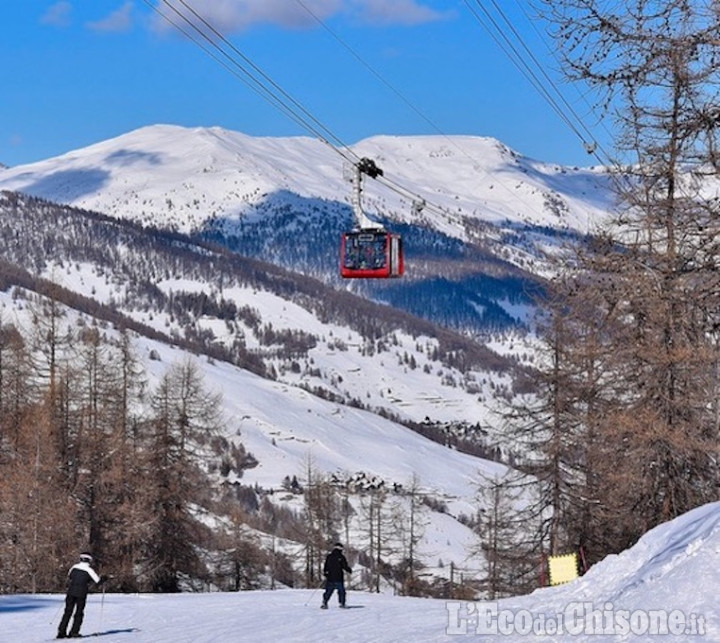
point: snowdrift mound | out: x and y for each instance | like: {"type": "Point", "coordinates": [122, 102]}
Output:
{"type": "Point", "coordinates": [664, 586]}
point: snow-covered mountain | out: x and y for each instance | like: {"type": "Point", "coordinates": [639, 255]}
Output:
{"type": "Point", "coordinates": [472, 251]}
{"type": "Point", "coordinates": [257, 316]}
{"type": "Point", "coordinates": [309, 371]}
{"type": "Point", "coordinates": [180, 178]}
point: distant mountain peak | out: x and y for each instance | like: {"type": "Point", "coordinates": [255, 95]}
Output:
{"type": "Point", "coordinates": [179, 177]}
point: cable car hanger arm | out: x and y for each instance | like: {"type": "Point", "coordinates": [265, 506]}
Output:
{"type": "Point", "coordinates": [364, 166]}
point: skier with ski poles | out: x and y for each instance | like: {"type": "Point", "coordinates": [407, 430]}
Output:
{"type": "Point", "coordinates": [333, 569]}
{"type": "Point", "coordinates": [80, 577]}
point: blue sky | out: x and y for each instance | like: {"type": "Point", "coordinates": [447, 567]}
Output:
{"type": "Point", "coordinates": [76, 72]}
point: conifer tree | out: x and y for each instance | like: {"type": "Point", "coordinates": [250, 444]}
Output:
{"type": "Point", "coordinates": [185, 417]}
{"type": "Point", "coordinates": [652, 277]}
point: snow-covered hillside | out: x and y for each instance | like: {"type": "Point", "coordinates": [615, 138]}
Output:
{"type": "Point", "coordinates": [662, 589]}
{"type": "Point", "coordinates": [285, 427]}
{"type": "Point", "coordinates": [178, 177]}
{"type": "Point", "coordinates": [362, 355]}
{"type": "Point", "coordinates": [287, 430]}
{"type": "Point", "coordinates": [304, 333]}
{"type": "Point", "coordinates": [473, 253]}
{"type": "Point", "coordinates": [353, 357]}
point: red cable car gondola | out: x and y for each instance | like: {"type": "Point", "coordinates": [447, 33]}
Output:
{"type": "Point", "coordinates": [369, 251]}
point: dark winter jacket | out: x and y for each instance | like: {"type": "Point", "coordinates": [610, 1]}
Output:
{"type": "Point", "coordinates": [335, 565]}
{"type": "Point", "coordinates": [79, 578]}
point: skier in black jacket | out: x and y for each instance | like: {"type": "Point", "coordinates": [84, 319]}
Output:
{"type": "Point", "coordinates": [335, 565]}
{"type": "Point", "coordinates": [80, 576]}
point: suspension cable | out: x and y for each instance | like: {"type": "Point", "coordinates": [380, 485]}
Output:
{"type": "Point", "coordinates": [241, 66]}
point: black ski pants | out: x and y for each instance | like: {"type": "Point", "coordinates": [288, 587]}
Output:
{"type": "Point", "coordinates": [76, 603]}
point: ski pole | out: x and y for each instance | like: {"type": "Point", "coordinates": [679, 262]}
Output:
{"type": "Point", "coordinates": [314, 592]}
{"type": "Point", "coordinates": [102, 605]}
{"type": "Point", "coordinates": [56, 613]}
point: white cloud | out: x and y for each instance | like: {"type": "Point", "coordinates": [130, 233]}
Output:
{"type": "Point", "coordinates": [236, 15]}
{"type": "Point", "coordinates": [396, 12]}
{"type": "Point", "coordinates": [58, 15]}
{"type": "Point", "coordinates": [119, 20]}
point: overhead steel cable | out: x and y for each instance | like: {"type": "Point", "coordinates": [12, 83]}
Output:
{"type": "Point", "coordinates": [618, 177]}
{"type": "Point", "coordinates": [399, 189]}
{"type": "Point", "coordinates": [590, 136]}
{"type": "Point", "coordinates": [262, 83]}
{"type": "Point", "coordinates": [392, 185]}
{"type": "Point", "coordinates": [268, 89]}
{"type": "Point", "coordinates": [500, 35]}
{"type": "Point", "coordinates": [369, 67]}
{"type": "Point", "coordinates": [491, 26]}
{"type": "Point", "coordinates": [554, 54]}
{"type": "Point", "coordinates": [234, 69]}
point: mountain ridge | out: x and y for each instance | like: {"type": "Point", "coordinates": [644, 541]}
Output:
{"type": "Point", "coordinates": [453, 171]}
{"type": "Point", "coordinates": [474, 254]}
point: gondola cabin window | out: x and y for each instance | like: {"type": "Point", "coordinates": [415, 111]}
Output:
{"type": "Point", "coordinates": [371, 254]}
